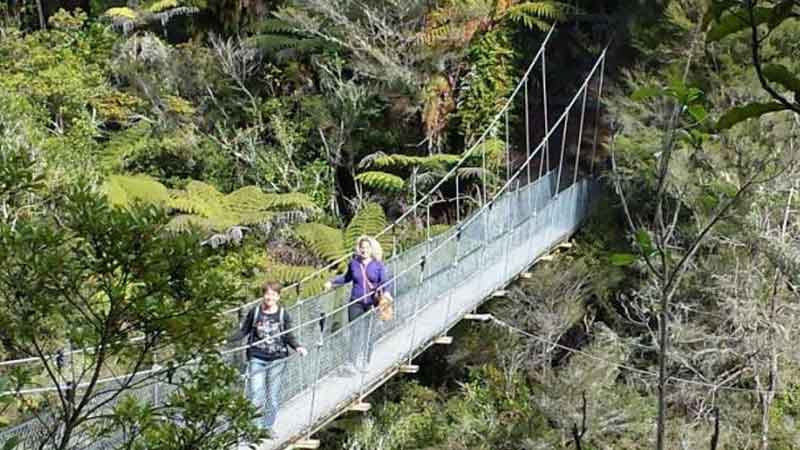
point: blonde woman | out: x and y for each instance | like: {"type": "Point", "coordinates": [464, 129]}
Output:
{"type": "Point", "coordinates": [370, 279]}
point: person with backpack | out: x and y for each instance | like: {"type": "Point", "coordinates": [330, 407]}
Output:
{"type": "Point", "coordinates": [267, 327]}
{"type": "Point", "coordinates": [370, 279]}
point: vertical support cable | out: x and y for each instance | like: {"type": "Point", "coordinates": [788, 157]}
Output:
{"type": "Point", "coordinates": [483, 173]}
{"type": "Point", "coordinates": [563, 147]}
{"type": "Point", "coordinates": [458, 200]}
{"type": "Point", "coordinates": [597, 112]}
{"type": "Point", "coordinates": [546, 159]}
{"type": "Point", "coordinates": [428, 221]}
{"type": "Point", "coordinates": [527, 132]}
{"type": "Point", "coordinates": [414, 314]}
{"type": "Point", "coordinates": [580, 134]}
{"type": "Point", "coordinates": [315, 382]}
{"type": "Point", "coordinates": [508, 151]}
{"type": "Point", "coordinates": [414, 192]}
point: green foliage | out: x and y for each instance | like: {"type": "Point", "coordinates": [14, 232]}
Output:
{"type": "Point", "coordinates": [200, 204]}
{"type": "Point", "coordinates": [381, 181]}
{"type": "Point", "coordinates": [99, 277]}
{"type": "Point", "coordinates": [324, 241]}
{"type": "Point", "coordinates": [780, 74]}
{"type": "Point", "coordinates": [749, 111]}
{"type": "Point", "coordinates": [125, 190]}
{"type": "Point", "coordinates": [488, 83]}
{"type": "Point", "coordinates": [214, 413]}
{"type": "Point", "coordinates": [330, 243]}
{"type": "Point", "coordinates": [536, 15]}
{"type": "Point", "coordinates": [369, 220]}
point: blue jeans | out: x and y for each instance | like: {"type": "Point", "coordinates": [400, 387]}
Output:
{"type": "Point", "coordinates": [265, 389]}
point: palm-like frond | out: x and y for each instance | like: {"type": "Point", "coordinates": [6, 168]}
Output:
{"type": "Point", "coordinates": [382, 181]}
{"type": "Point", "coordinates": [369, 220]}
{"type": "Point", "coordinates": [202, 205]}
{"type": "Point", "coordinates": [124, 190]}
{"type": "Point", "coordinates": [535, 15]}
{"type": "Point", "coordinates": [322, 240]}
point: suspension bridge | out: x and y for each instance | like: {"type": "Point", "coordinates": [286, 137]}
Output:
{"type": "Point", "coordinates": [435, 284]}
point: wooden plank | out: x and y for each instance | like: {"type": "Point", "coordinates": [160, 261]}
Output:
{"type": "Point", "coordinates": [545, 258]}
{"type": "Point", "coordinates": [526, 275]}
{"type": "Point", "coordinates": [479, 317]}
{"type": "Point", "coordinates": [360, 407]}
{"type": "Point", "coordinates": [500, 293]}
{"type": "Point", "coordinates": [443, 340]}
{"type": "Point", "coordinates": [408, 368]}
{"type": "Point", "coordinates": [565, 244]}
{"type": "Point", "coordinates": [309, 444]}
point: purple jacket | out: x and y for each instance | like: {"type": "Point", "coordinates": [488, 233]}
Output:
{"type": "Point", "coordinates": [376, 272]}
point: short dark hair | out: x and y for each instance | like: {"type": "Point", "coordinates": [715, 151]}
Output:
{"type": "Point", "coordinates": [271, 286]}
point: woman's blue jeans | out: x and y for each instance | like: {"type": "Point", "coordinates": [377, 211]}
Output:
{"type": "Point", "coordinates": [265, 389]}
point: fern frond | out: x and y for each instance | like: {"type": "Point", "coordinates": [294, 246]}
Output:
{"type": "Point", "coordinates": [534, 15]}
{"type": "Point", "coordinates": [369, 220]}
{"type": "Point", "coordinates": [275, 26]}
{"type": "Point", "coordinates": [121, 13]}
{"type": "Point", "coordinates": [125, 144]}
{"type": "Point", "coordinates": [369, 159]}
{"type": "Point", "coordinates": [381, 181]}
{"type": "Point", "coordinates": [288, 201]}
{"type": "Point", "coordinates": [322, 240]}
{"type": "Point", "coordinates": [123, 190]}
{"type": "Point", "coordinates": [494, 149]}
{"type": "Point", "coordinates": [185, 222]}
{"type": "Point", "coordinates": [162, 5]}
{"type": "Point", "coordinates": [287, 274]}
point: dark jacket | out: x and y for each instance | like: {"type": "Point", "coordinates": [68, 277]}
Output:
{"type": "Point", "coordinates": [258, 326]}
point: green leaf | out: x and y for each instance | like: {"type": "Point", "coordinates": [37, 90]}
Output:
{"type": "Point", "coordinates": [644, 242]}
{"type": "Point", "coordinates": [622, 259]}
{"type": "Point", "coordinates": [736, 21]}
{"type": "Point", "coordinates": [647, 92]}
{"type": "Point", "coordinates": [780, 13]}
{"type": "Point", "coordinates": [698, 113]}
{"type": "Point", "coordinates": [11, 443]}
{"type": "Point", "coordinates": [715, 10]}
{"type": "Point", "coordinates": [749, 111]}
{"type": "Point", "coordinates": [778, 73]}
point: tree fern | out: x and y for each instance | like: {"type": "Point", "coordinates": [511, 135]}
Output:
{"type": "Point", "coordinates": [535, 15]}
{"type": "Point", "coordinates": [275, 37]}
{"type": "Point", "coordinates": [124, 145]}
{"type": "Point", "coordinates": [322, 240]}
{"type": "Point", "coordinates": [200, 204]}
{"type": "Point", "coordinates": [288, 274]}
{"type": "Point", "coordinates": [124, 190]}
{"type": "Point", "coordinates": [369, 220]}
{"type": "Point", "coordinates": [382, 181]}
{"type": "Point", "coordinates": [330, 243]}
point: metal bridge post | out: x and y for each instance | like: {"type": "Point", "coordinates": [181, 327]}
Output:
{"type": "Point", "coordinates": [580, 134]}
{"type": "Point", "coordinates": [546, 158]}
{"type": "Point", "coordinates": [597, 112]}
{"type": "Point", "coordinates": [422, 284]}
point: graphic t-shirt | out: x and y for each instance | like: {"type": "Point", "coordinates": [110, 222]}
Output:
{"type": "Point", "coordinates": [267, 325]}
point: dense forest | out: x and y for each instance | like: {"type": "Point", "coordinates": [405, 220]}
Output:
{"type": "Point", "coordinates": [160, 160]}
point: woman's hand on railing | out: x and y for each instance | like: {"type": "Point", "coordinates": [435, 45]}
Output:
{"type": "Point", "coordinates": [328, 285]}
